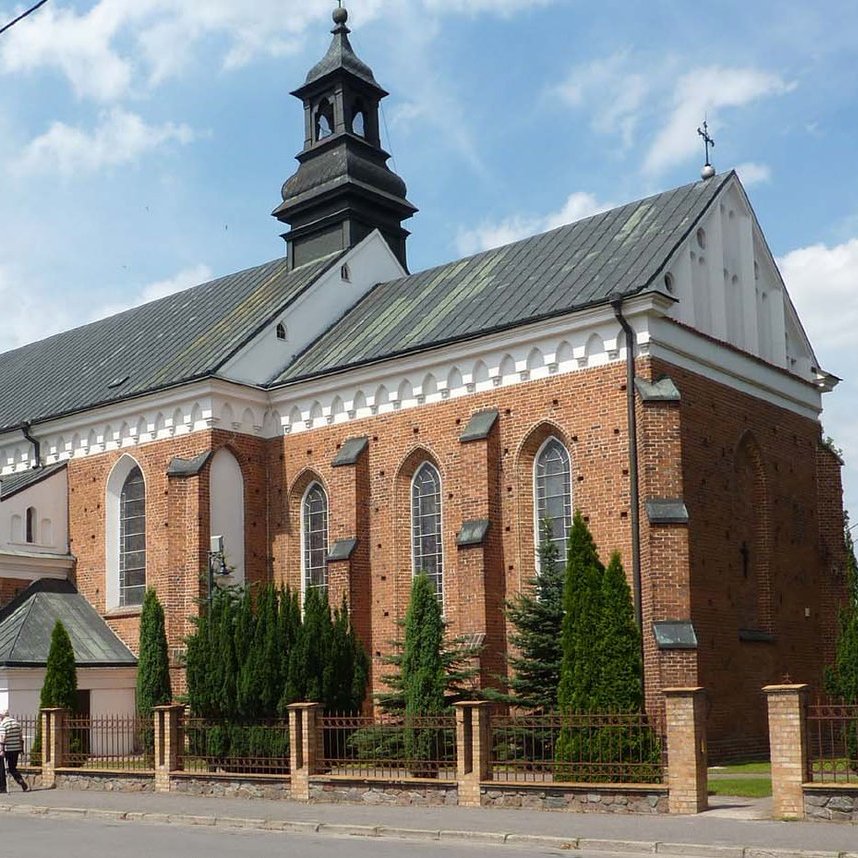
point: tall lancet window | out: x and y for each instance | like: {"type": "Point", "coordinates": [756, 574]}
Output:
{"type": "Point", "coordinates": [553, 493]}
{"type": "Point", "coordinates": [426, 536]}
{"type": "Point", "coordinates": [132, 539]}
{"type": "Point", "coordinates": [314, 537]}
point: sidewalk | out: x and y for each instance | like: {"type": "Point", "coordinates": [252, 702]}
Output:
{"type": "Point", "coordinates": [709, 834]}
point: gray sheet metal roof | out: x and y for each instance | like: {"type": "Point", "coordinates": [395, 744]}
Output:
{"type": "Point", "coordinates": [15, 483]}
{"type": "Point", "coordinates": [575, 266]}
{"type": "Point", "coordinates": [27, 622]}
{"type": "Point", "coordinates": [173, 340]}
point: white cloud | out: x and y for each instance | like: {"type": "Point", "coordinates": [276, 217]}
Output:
{"type": "Point", "coordinates": [119, 138]}
{"type": "Point", "coordinates": [107, 51]}
{"type": "Point", "coordinates": [754, 174]}
{"type": "Point", "coordinates": [706, 92]}
{"type": "Point", "coordinates": [27, 314]}
{"type": "Point", "coordinates": [486, 236]}
{"type": "Point", "coordinates": [185, 279]}
{"type": "Point", "coordinates": [823, 284]}
{"type": "Point", "coordinates": [612, 90]}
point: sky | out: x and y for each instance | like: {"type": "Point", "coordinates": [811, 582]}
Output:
{"type": "Point", "coordinates": [143, 143]}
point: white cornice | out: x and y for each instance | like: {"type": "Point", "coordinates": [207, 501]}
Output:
{"type": "Point", "coordinates": [31, 566]}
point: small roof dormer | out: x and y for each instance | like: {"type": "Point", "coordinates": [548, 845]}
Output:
{"type": "Point", "coordinates": [343, 188]}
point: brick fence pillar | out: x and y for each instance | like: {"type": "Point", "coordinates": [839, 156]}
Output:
{"type": "Point", "coordinates": [54, 743]}
{"type": "Point", "coordinates": [687, 780]}
{"type": "Point", "coordinates": [305, 746]}
{"type": "Point", "coordinates": [788, 746]}
{"type": "Point", "coordinates": [473, 743]}
{"type": "Point", "coordinates": [167, 744]}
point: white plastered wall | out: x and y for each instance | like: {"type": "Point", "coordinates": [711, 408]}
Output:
{"type": "Point", "coordinates": [226, 508]}
{"type": "Point", "coordinates": [50, 500]}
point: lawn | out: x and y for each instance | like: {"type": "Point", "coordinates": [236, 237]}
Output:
{"type": "Point", "coordinates": [738, 779]}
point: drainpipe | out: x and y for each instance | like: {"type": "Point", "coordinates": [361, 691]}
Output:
{"type": "Point", "coordinates": [617, 304]}
{"type": "Point", "coordinates": [37, 445]}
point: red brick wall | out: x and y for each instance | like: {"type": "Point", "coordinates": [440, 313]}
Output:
{"type": "Point", "coordinates": [9, 588]}
{"type": "Point", "coordinates": [703, 449]}
{"type": "Point", "coordinates": [730, 439]}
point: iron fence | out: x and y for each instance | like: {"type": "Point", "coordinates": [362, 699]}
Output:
{"type": "Point", "coordinates": [390, 748]}
{"type": "Point", "coordinates": [29, 731]}
{"type": "Point", "coordinates": [234, 747]}
{"type": "Point", "coordinates": [114, 743]}
{"type": "Point", "coordinates": [832, 743]}
{"type": "Point", "coordinates": [604, 748]}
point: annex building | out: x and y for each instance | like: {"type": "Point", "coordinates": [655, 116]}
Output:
{"type": "Point", "coordinates": [341, 422]}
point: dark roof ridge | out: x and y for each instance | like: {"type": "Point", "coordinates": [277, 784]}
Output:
{"type": "Point", "coordinates": [36, 475]}
{"type": "Point", "coordinates": [40, 585]}
{"type": "Point", "coordinates": [721, 176]}
{"type": "Point", "coordinates": [128, 310]}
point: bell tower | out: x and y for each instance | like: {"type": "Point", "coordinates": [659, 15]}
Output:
{"type": "Point", "coordinates": [343, 188]}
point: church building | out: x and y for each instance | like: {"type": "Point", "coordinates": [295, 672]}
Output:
{"type": "Point", "coordinates": [341, 422]}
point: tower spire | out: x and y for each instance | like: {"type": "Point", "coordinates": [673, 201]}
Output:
{"type": "Point", "coordinates": [708, 170]}
{"type": "Point", "coordinates": [343, 188]}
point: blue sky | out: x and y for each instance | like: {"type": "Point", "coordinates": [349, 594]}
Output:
{"type": "Point", "coordinates": [143, 142]}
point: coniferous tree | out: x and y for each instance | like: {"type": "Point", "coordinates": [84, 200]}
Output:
{"type": "Point", "coordinates": [582, 596]}
{"type": "Point", "coordinates": [153, 667]}
{"type": "Point", "coordinates": [619, 686]}
{"type": "Point", "coordinates": [59, 690]}
{"type": "Point", "coordinates": [60, 687]}
{"type": "Point", "coordinates": [537, 618]}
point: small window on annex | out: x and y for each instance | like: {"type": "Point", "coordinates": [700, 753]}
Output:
{"type": "Point", "coordinates": [132, 539]}
{"type": "Point", "coordinates": [30, 525]}
{"type": "Point", "coordinates": [552, 484]}
{"type": "Point", "coordinates": [426, 535]}
{"type": "Point", "coordinates": [314, 537]}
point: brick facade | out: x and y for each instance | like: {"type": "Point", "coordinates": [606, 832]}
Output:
{"type": "Point", "coordinates": [750, 473]}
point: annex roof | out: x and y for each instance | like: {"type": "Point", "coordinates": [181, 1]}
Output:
{"type": "Point", "coordinates": [15, 483]}
{"type": "Point", "coordinates": [173, 340]}
{"type": "Point", "coordinates": [575, 266]}
{"type": "Point", "coordinates": [27, 622]}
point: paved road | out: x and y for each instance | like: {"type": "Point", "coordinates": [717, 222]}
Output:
{"type": "Point", "coordinates": [36, 838]}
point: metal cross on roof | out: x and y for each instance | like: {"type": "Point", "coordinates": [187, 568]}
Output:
{"type": "Point", "coordinates": [707, 140]}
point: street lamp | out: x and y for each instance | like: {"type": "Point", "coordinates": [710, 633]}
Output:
{"type": "Point", "coordinates": [217, 563]}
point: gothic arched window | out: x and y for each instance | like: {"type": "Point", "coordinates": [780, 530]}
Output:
{"type": "Point", "coordinates": [552, 485]}
{"type": "Point", "coordinates": [314, 537]}
{"type": "Point", "coordinates": [426, 535]}
{"type": "Point", "coordinates": [132, 539]}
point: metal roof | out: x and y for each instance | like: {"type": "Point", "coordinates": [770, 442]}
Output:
{"type": "Point", "coordinates": [15, 483]}
{"type": "Point", "coordinates": [173, 340]}
{"type": "Point", "coordinates": [575, 266]}
{"type": "Point", "coordinates": [341, 55]}
{"type": "Point", "coordinates": [27, 622]}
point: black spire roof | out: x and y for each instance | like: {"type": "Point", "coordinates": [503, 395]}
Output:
{"type": "Point", "coordinates": [343, 188]}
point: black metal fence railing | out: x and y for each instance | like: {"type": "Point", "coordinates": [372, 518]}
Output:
{"type": "Point", "coordinates": [123, 743]}
{"type": "Point", "coordinates": [230, 747]}
{"type": "Point", "coordinates": [29, 731]}
{"type": "Point", "coordinates": [390, 748]}
{"type": "Point", "coordinates": [832, 743]}
{"type": "Point", "coordinates": [604, 748]}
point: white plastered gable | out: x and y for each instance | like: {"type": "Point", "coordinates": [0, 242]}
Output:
{"type": "Point", "coordinates": [728, 287]}
{"type": "Point", "coordinates": [313, 312]}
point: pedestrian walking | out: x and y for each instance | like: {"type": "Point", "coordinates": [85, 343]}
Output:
{"type": "Point", "coordinates": [11, 745]}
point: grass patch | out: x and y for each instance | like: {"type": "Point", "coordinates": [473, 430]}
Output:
{"type": "Point", "coordinates": [763, 768]}
{"type": "Point", "coordinates": [742, 787]}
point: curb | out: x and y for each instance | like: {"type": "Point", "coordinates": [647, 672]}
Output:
{"type": "Point", "coordinates": [493, 838]}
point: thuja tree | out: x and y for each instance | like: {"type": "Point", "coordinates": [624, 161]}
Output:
{"type": "Point", "coordinates": [536, 616]}
{"type": "Point", "coordinates": [601, 672]}
{"type": "Point", "coordinates": [59, 690]}
{"type": "Point", "coordinates": [842, 677]}
{"type": "Point", "coordinates": [153, 666]}
{"type": "Point", "coordinates": [328, 664]}
{"type": "Point", "coordinates": [430, 673]}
